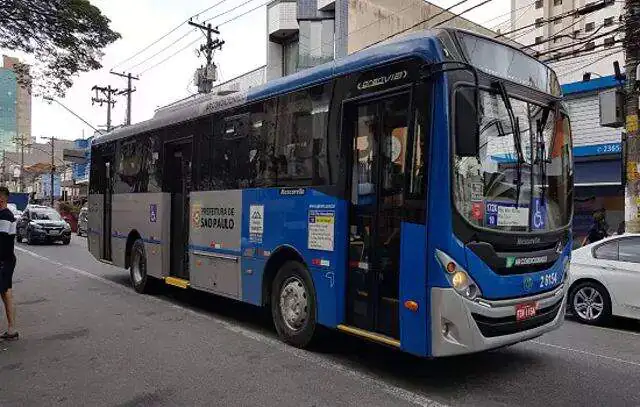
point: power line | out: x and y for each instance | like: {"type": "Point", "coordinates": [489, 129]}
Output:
{"type": "Point", "coordinates": [582, 41]}
{"type": "Point", "coordinates": [587, 65]}
{"type": "Point", "coordinates": [230, 10]}
{"type": "Point", "coordinates": [416, 24]}
{"type": "Point", "coordinates": [568, 56]}
{"type": "Point", "coordinates": [463, 12]}
{"type": "Point", "coordinates": [571, 60]}
{"type": "Point", "coordinates": [167, 34]}
{"type": "Point", "coordinates": [245, 13]}
{"type": "Point", "coordinates": [555, 36]}
{"type": "Point", "coordinates": [588, 9]}
{"type": "Point", "coordinates": [131, 68]}
{"type": "Point", "coordinates": [197, 39]}
{"type": "Point", "coordinates": [508, 14]}
{"type": "Point", "coordinates": [169, 57]}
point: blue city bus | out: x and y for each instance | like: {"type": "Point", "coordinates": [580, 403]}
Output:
{"type": "Point", "coordinates": [417, 194]}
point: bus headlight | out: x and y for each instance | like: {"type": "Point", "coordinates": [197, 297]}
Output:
{"type": "Point", "coordinates": [458, 277]}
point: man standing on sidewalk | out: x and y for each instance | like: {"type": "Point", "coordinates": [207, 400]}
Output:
{"type": "Point", "coordinates": [7, 262]}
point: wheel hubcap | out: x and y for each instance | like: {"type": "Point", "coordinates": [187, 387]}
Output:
{"type": "Point", "coordinates": [293, 303]}
{"type": "Point", "coordinates": [136, 267]}
{"type": "Point", "coordinates": [588, 303]}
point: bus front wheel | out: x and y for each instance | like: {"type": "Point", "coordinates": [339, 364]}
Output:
{"type": "Point", "coordinates": [138, 268]}
{"type": "Point", "coordinates": [293, 304]}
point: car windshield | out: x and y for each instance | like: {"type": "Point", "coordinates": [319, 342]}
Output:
{"type": "Point", "coordinates": [45, 215]}
{"type": "Point", "coordinates": [505, 189]}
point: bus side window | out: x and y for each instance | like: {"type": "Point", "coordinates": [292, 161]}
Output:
{"type": "Point", "coordinates": [301, 137]}
{"type": "Point", "coordinates": [262, 131]}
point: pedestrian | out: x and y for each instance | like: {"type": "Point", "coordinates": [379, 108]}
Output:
{"type": "Point", "coordinates": [599, 228]}
{"type": "Point", "coordinates": [7, 262]}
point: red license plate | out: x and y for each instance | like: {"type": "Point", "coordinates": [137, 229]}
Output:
{"type": "Point", "coordinates": [525, 311]}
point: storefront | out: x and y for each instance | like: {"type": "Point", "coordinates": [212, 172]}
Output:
{"type": "Point", "coordinates": [598, 163]}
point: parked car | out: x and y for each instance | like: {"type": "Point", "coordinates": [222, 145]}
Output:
{"type": "Point", "coordinates": [605, 279]}
{"type": "Point", "coordinates": [82, 221]}
{"type": "Point", "coordinates": [42, 224]}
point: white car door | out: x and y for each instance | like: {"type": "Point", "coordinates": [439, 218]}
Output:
{"type": "Point", "coordinates": [622, 273]}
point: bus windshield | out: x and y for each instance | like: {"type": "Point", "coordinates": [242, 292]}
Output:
{"type": "Point", "coordinates": [516, 188]}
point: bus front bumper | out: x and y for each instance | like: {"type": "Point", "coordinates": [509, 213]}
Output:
{"type": "Point", "coordinates": [460, 326]}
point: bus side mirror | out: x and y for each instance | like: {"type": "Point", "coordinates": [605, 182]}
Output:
{"type": "Point", "coordinates": [467, 126]}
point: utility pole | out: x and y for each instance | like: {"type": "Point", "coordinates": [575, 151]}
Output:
{"type": "Point", "coordinates": [127, 92]}
{"type": "Point", "coordinates": [53, 167]}
{"type": "Point", "coordinates": [107, 93]}
{"type": "Point", "coordinates": [205, 76]}
{"type": "Point", "coordinates": [21, 141]}
{"type": "Point", "coordinates": [632, 56]}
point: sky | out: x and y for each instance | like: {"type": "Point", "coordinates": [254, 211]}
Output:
{"type": "Point", "coordinates": [141, 22]}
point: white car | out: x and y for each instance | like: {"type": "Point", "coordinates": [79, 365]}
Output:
{"type": "Point", "coordinates": [605, 279]}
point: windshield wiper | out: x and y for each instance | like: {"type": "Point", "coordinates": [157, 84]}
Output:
{"type": "Point", "coordinates": [517, 140]}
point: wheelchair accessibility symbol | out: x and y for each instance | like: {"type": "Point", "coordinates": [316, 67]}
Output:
{"type": "Point", "coordinates": [539, 215]}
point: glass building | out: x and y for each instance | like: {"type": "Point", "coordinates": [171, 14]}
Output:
{"type": "Point", "coordinates": [8, 102]}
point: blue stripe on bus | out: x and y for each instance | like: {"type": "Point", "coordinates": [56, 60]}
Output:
{"type": "Point", "coordinates": [232, 252]}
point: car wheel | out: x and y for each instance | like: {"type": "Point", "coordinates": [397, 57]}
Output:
{"type": "Point", "coordinates": [30, 240]}
{"type": "Point", "coordinates": [293, 304]}
{"type": "Point", "coordinates": [66, 241]}
{"type": "Point", "coordinates": [590, 303]}
{"type": "Point", "coordinates": [138, 269]}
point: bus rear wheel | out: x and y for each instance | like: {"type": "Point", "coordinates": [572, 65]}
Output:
{"type": "Point", "coordinates": [293, 304]}
{"type": "Point", "coordinates": [138, 268]}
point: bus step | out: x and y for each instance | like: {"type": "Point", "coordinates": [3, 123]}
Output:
{"type": "Point", "coordinates": [372, 336]}
{"type": "Point", "coordinates": [177, 282]}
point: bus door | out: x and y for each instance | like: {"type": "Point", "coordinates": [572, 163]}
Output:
{"type": "Point", "coordinates": [379, 130]}
{"type": "Point", "coordinates": [107, 206]}
{"type": "Point", "coordinates": [178, 160]}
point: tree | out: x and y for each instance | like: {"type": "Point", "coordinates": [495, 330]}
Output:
{"type": "Point", "coordinates": [65, 37]}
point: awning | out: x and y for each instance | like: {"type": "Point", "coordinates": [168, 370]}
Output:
{"type": "Point", "coordinates": [598, 173]}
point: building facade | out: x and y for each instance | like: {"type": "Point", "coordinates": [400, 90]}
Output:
{"type": "Point", "coordinates": [572, 44]}
{"type": "Point", "coordinates": [598, 157]}
{"type": "Point", "coordinates": [8, 108]}
{"type": "Point", "coordinates": [15, 105]}
{"type": "Point", "coordinates": [305, 33]}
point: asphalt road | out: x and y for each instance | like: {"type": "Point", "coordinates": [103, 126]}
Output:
{"type": "Point", "coordinates": [88, 339]}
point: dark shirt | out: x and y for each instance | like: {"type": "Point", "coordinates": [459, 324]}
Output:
{"type": "Point", "coordinates": [596, 234]}
{"type": "Point", "coordinates": [7, 234]}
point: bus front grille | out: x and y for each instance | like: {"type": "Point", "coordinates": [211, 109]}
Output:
{"type": "Point", "coordinates": [492, 327]}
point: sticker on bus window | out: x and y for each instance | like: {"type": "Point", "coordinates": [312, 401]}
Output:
{"type": "Point", "coordinates": [477, 191]}
{"type": "Point", "coordinates": [321, 228]}
{"type": "Point", "coordinates": [153, 213]}
{"type": "Point", "coordinates": [538, 215]}
{"type": "Point", "coordinates": [502, 214]}
{"type": "Point", "coordinates": [477, 210]}
{"type": "Point", "coordinates": [256, 223]}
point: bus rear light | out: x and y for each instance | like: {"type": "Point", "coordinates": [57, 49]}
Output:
{"type": "Point", "coordinates": [458, 278]}
{"type": "Point", "coordinates": [411, 305]}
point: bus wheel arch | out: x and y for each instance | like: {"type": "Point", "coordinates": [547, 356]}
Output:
{"type": "Point", "coordinates": [277, 259]}
{"type": "Point", "coordinates": [133, 236]}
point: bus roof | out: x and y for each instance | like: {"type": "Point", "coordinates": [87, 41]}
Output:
{"type": "Point", "coordinates": [420, 44]}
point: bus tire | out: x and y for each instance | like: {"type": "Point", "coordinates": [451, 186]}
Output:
{"type": "Point", "coordinates": [293, 304]}
{"type": "Point", "coordinates": [138, 268]}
